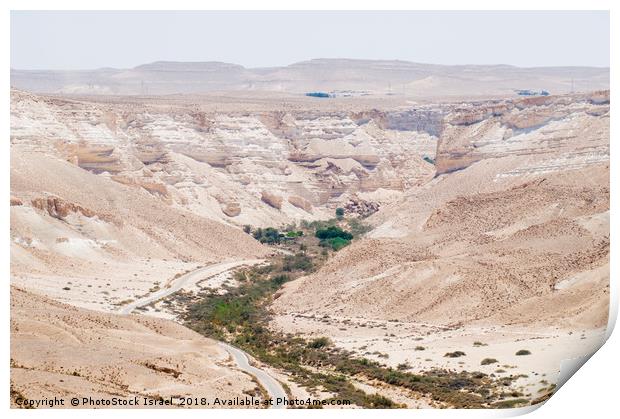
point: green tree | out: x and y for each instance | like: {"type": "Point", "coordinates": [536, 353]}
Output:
{"type": "Point", "coordinates": [332, 232]}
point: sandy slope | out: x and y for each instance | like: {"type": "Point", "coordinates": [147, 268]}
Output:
{"type": "Point", "coordinates": [79, 237]}
{"type": "Point", "coordinates": [59, 350]}
{"type": "Point", "coordinates": [512, 250]}
{"type": "Point", "coordinates": [478, 257]}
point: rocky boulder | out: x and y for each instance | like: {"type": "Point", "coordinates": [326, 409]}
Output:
{"type": "Point", "coordinates": [300, 203]}
{"type": "Point", "coordinates": [59, 208]}
{"type": "Point", "coordinates": [231, 209]}
{"type": "Point", "coordinates": [271, 199]}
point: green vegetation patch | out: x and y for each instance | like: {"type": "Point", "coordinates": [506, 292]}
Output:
{"type": "Point", "coordinates": [241, 317]}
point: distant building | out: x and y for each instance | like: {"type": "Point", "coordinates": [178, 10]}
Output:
{"type": "Point", "coordinates": [319, 94]}
{"type": "Point", "coordinates": [525, 92]}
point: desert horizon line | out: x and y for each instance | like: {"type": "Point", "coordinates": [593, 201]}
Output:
{"type": "Point", "coordinates": [326, 59]}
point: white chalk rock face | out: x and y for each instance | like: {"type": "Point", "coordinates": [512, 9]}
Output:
{"type": "Point", "coordinates": [259, 168]}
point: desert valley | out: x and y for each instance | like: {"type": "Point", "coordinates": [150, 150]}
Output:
{"type": "Point", "coordinates": [416, 236]}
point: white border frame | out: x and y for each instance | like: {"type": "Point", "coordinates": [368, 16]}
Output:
{"type": "Point", "coordinates": [593, 391]}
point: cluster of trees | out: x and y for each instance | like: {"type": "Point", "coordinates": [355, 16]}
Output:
{"type": "Point", "coordinates": [268, 235]}
{"type": "Point", "coordinates": [333, 237]}
{"type": "Point", "coordinates": [271, 235]}
{"type": "Point", "coordinates": [329, 234]}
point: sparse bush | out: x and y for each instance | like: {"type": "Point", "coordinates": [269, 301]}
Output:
{"type": "Point", "coordinates": [428, 160]}
{"type": "Point", "coordinates": [336, 243]}
{"type": "Point", "coordinates": [509, 404]}
{"type": "Point", "coordinates": [523, 352]}
{"type": "Point", "coordinates": [488, 361]}
{"type": "Point", "coordinates": [339, 213]}
{"type": "Point", "coordinates": [278, 280]}
{"type": "Point", "coordinates": [297, 262]}
{"type": "Point", "coordinates": [247, 229]}
{"type": "Point", "coordinates": [420, 348]}
{"type": "Point", "coordinates": [378, 401]}
{"type": "Point", "coordinates": [258, 233]}
{"type": "Point", "coordinates": [455, 354]}
{"type": "Point", "coordinates": [294, 234]}
{"type": "Point", "coordinates": [357, 227]}
{"type": "Point", "coordinates": [333, 232]}
{"type": "Point", "coordinates": [271, 236]}
{"type": "Point", "coordinates": [404, 366]}
{"type": "Point", "coordinates": [319, 343]}
{"type": "Point", "coordinates": [268, 235]}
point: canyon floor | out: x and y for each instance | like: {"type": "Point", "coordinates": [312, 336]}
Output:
{"type": "Point", "coordinates": [484, 247]}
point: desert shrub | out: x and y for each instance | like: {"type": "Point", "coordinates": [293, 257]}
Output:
{"type": "Point", "coordinates": [247, 229]}
{"type": "Point", "coordinates": [428, 160]}
{"type": "Point", "coordinates": [378, 401]}
{"type": "Point", "coordinates": [488, 361]}
{"type": "Point", "coordinates": [297, 262]}
{"type": "Point", "coordinates": [336, 243]}
{"type": "Point", "coordinates": [278, 280]}
{"type": "Point", "coordinates": [509, 404]}
{"type": "Point", "coordinates": [455, 354]}
{"type": "Point", "coordinates": [267, 235]}
{"type": "Point", "coordinates": [402, 367]}
{"type": "Point", "coordinates": [420, 348]}
{"type": "Point", "coordinates": [293, 234]}
{"type": "Point", "coordinates": [319, 343]}
{"type": "Point", "coordinates": [271, 236]}
{"type": "Point", "coordinates": [357, 227]}
{"type": "Point", "coordinates": [258, 233]}
{"type": "Point", "coordinates": [523, 352]}
{"type": "Point", "coordinates": [339, 212]}
{"type": "Point", "coordinates": [333, 232]}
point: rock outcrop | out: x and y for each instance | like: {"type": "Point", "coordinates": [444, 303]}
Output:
{"type": "Point", "coordinates": [231, 209]}
{"type": "Point", "coordinates": [271, 199]}
{"type": "Point", "coordinates": [59, 208]}
{"type": "Point", "coordinates": [536, 129]}
{"type": "Point", "coordinates": [191, 155]}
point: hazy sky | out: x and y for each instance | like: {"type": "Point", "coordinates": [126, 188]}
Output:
{"type": "Point", "coordinates": [86, 40]}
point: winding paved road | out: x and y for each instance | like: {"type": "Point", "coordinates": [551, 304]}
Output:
{"type": "Point", "coordinates": [270, 384]}
{"type": "Point", "coordinates": [188, 279]}
{"type": "Point", "coordinates": [273, 387]}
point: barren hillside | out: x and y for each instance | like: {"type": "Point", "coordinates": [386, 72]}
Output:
{"type": "Point", "coordinates": [61, 351]}
{"type": "Point", "coordinates": [88, 240]}
{"type": "Point", "coordinates": [508, 245]}
{"type": "Point", "coordinates": [265, 167]}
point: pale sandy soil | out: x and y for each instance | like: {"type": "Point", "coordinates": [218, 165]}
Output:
{"type": "Point", "coordinates": [109, 285]}
{"type": "Point", "coordinates": [63, 351]}
{"type": "Point", "coordinates": [395, 342]}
